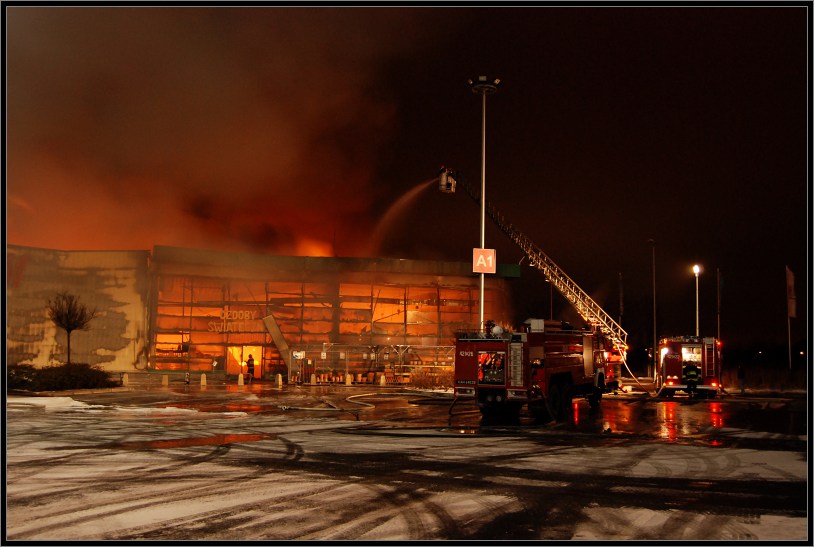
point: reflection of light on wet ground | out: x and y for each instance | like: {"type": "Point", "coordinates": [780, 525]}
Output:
{"type": "Point", "coordinates": [677, 420]}
{"type": "Point", "coordinates": [668, 429]}
{"type": "Point", "coordinates": [252, 403]}
{"type": "Point", "coordinates": [621, 417]}
{"type": "Point", "coordinates": [234, 406]}
{"type": "Point", "coordinates": [716, 414]}
{"type": "Point", "coordinates": [686, 421]}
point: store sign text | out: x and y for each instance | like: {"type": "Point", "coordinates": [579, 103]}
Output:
{"type": "Point", "coordinates": [235, 321]}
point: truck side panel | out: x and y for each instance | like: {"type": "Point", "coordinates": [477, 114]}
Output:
{"type": "Point", "coordinates": [480, 363]}
{"type": "Point", "coordinates": [466, 369]}
{"type": "Point", "coordinates": [502, 374]}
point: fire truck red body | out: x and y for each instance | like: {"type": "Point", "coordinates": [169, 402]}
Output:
{"type": "Point", "coordinates": [676, 352]}
{"type": "Point", "coordinates": [544, 366]}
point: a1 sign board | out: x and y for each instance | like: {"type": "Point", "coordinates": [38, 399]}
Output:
{"type": "Point", "coordinates": [484, 261]}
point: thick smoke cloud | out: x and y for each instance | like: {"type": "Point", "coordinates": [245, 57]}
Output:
{"type": "Point", "coordinates": [243, 129]}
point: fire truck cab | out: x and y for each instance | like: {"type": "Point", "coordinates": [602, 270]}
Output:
{"type": "Point", "coordinates": [676, 353]}
{"type": "Point", "coordinates": [544, 366]}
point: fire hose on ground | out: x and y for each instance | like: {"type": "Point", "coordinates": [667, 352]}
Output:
{"type": "Point", "coordinates": [350, 399]}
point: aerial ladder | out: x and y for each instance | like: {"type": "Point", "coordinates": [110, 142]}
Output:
{"type": "Point", "coordinates": [591, 312]}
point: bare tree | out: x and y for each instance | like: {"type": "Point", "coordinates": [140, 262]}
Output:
{"type": "Point", "coordinates": [68, 313]}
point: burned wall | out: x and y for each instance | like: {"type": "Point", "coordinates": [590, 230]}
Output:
{"type": "Point", "coordinates": [115, 283]}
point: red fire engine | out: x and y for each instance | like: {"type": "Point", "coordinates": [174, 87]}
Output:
{"type": "Point", "coordinates": [544, 366]}
{"type": "Point", "coordinates": [676, 352]}
{"type": "Point", "coordinates": [551, 361]}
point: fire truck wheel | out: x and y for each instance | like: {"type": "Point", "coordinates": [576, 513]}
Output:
{"type": "Point", "coordinates": [559, 397]}
{"type": "Point", "coordinates": [555, 401]}
{"type": "Point", "coordinates": [567, 399]}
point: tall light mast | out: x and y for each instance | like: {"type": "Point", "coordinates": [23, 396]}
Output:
{"type": "Point", "coordinates": [483, 86]}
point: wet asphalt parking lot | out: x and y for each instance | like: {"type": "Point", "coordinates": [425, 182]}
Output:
{"type": "Point", "coordinates": [359, 463]}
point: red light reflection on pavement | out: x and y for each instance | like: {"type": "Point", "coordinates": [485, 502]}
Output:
{"type": "Point", "coordinates": [669, 428]}
{"type": "Point", "coordinates": [716, 415]}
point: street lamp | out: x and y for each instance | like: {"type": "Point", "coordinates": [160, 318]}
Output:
{"type": "Point", "coordinates": [483, 86]}
{"type": "Point", "coordinates": [655, 336]}
{"type": "Point", "coordinates": [697, 270]}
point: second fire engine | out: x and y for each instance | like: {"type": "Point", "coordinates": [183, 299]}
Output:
{"type": "Point", "coordinates": [680, 355]}
{"type": "Point", "coordinates": [545, 366]}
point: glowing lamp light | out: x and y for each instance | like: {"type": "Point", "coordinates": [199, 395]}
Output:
{"type": "Point", "coordinates": [696, 269]}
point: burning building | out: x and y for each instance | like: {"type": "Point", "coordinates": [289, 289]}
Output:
{"type": "Point", "coordinates": [180, 309]}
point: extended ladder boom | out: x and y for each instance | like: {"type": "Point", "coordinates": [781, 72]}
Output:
{"type": "Point", "coordinates": [590, 311]}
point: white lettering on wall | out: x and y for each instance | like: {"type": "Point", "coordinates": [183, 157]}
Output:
{"type": "Point", "coordinates": [235, 321]}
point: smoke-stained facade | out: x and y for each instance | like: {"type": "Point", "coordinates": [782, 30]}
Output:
{"type": "Point", "coordinates": [196, 310]}
{"type": "Point", "coordinates": [115, 283]}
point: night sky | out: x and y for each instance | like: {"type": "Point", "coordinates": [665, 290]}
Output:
{"type": "Point", "coordinates": [298, 130]}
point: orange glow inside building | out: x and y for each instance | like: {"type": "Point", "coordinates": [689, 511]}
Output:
{"type": "Point", "coordinates": [208, 311]}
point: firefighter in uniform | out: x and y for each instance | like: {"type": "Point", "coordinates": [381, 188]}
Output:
{"type": "Point", "coordinates": [690, 377]}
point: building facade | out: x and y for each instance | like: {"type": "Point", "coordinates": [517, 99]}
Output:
{"type": "Point", "coordinates": [198, 310]}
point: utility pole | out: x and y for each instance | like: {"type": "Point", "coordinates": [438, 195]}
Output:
{"type": "Point", "coordinates": [655, 336]}
{"type": "Point", "coordinates": [483, 86]}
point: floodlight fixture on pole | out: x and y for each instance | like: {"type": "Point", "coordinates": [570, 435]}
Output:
{"type": "Point", "coordinates": [696, 270]}
{"type": "Point", "coordinates": [483, 86]}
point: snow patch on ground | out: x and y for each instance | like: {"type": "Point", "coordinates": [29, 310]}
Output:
{"type": "Point", "coordinates": [51, 403]}
{"type": "Point", "coordinates": [161, 410]}
{"type": "Point", "coordinates": [67, 404]}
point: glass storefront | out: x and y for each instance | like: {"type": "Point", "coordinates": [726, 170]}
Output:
{"type": "Point", "coordinates": [180, 309]}
{"type": "Point", "coordinates": [348, 315]}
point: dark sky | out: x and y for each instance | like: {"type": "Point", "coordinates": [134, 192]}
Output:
{"type": "Point", "coordinates": [296, 130]}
